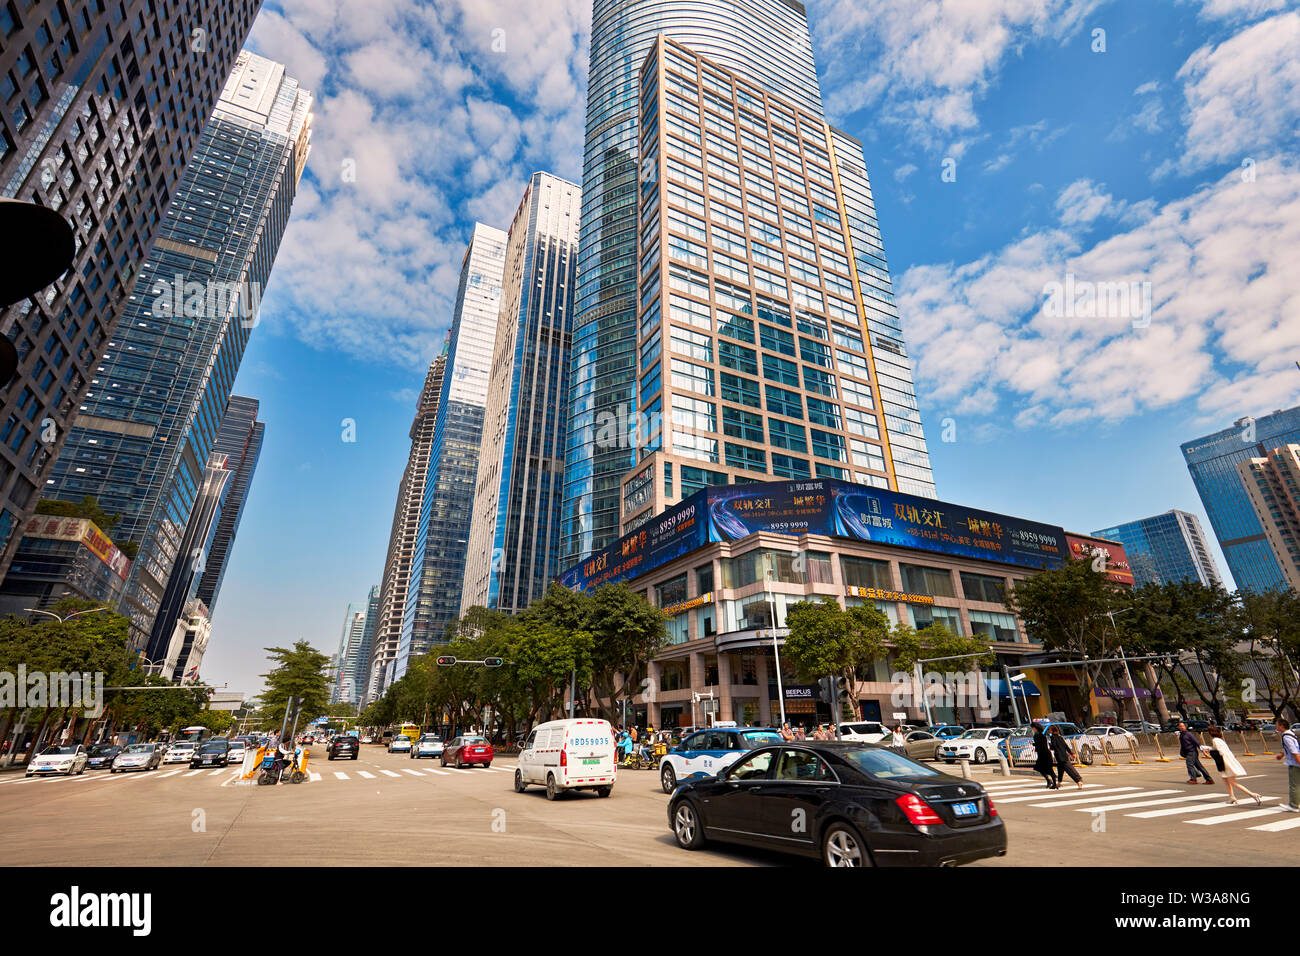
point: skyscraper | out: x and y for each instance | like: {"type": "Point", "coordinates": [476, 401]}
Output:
{"type": "Point", "coordinates": [145, 430]}
{"type": "Point", "coordinates": [1165, 548]}
{"type": "Point", "coordinates": [1213, 462]}
{"type": "Point", "coordinates": [387, 628]}
{"type": "Point", "coordinates": [764, 46]}
{"type": "Point", "coordinates": [1272, 482]}
{"type": "Point", "coordinates": [103, 108]}
{"type": "Point", "coordinates": [512, 553]}
{"type": "Point", "coordinates": [438, 562]}
{"type": "Point", "coordinates": [240, 439]}
{"type": "Point", "coordinates": [348, 655]}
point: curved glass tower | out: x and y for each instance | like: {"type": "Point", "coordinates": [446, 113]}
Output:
{"type": "Point", "coordinates": [767, 40]}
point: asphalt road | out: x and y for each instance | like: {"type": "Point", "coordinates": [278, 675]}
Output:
{"type": "Point", "coordinates": [386, 809]}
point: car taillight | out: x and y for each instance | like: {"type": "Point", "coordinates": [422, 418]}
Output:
{"type": "Point", "coordinates": [564, 758]}
{"type": "Point", "coordinates": [918, 812]}
{"type": "Point", "coordinates": [993, 811]}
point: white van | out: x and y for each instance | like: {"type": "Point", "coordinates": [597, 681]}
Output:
{"type": "Point", "coordinates": [576, 754]}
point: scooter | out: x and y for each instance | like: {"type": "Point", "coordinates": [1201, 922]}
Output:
{"type": "Point", "coordinates": [274, 770]}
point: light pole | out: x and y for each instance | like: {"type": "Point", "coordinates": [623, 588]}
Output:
{"type": "Point", "coordinates": [1019, 679]}
{"type": "Point", "coordinates": [776, 651]}
{"type": "Point", "coordinates": [1137, 704]}
{"type": "Point", "coordinates": [63, 619]}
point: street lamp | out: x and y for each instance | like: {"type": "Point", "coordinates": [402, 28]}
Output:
{"type": "Point", "coordinates": [776, 651]}
{"type": "Point", "coordinates": [1137, 704]}
{"type": "Point", "coordinates": [63, 619]}
{"type": "Point", "coordinates": [1019, 679]}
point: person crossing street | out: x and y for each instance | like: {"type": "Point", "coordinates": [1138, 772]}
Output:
{"type": "Point", "coordinates": [1061, 751]}
{"type": "Point", "coordinates": [1043, 760]}
{"type": "Point", "coordinates": [1189, 748]}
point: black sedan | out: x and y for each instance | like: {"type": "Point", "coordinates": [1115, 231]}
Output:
{"type": "Point", "coordinates": [843, 803]}
{"type": "Point", "coordinates": [344, 746]}
{"type": "Point", "coordinates": [101, 756]}
{"type": "Point", "coordinates": [213, 753]}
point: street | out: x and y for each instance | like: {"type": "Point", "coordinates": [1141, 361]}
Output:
{"type": "Point", "coordinates": [388, 809]}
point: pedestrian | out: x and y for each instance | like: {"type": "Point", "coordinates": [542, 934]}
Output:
{"type": "Point", "coordinates": [899, 739]}
{"type": "Point", "coordinates": [1043, 760]}
{"type": "Point", "coordinates": [1291, 754]}
{"type": "Point", "coordinates": [799, 733]}
{"type": "Point", "coordinates": [1189, 748]}
{"type": "Point", "coordinates": [786, 733]}
{"type": "Point", "coordinates": [1228, 765]}
{"type": "Point", "coordinates": [1061, 751]}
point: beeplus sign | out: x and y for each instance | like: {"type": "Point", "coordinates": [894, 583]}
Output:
{"type": "Point", "coordinates": [77, 909]}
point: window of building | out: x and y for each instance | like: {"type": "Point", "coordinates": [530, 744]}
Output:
{"type": "Point", "coordinates": [994, 626]}
{"type": "Point", "coordinates": [865, 573]}
{"type": "Point", "coordinates": [918, 579]}
{"type": "Point", "coordinates": [924, 616]}
{"type": "Point", "coordinates": [983, 587]}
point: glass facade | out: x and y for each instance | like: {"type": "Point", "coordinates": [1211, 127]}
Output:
{"type": "Point", "coordinates": [103, 106]}
{"type": "Point", "coordinates": [438, 560]}
{"type": "Point", "coordinates": [146, 428]}
{"type": "Point", "coordinates": [514, 539]}
{"type": "Point", "coordinates": [1213, 462]}
{"type": "Point", "coordinates": [1164, 548]}
{"type": "Point", "coordinates": [769, 40]}
{"type": "Point", "coordinates": [239, 438]}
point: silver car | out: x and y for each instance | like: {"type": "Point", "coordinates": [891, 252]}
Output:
{"type": "Point", "coordinates": [137, 757]}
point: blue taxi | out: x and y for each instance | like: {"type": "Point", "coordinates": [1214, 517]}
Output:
{"type": "Point", "coordinates": [705, 752]}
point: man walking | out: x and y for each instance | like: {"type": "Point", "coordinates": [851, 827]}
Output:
{"type": "Point", "coordinates": [1291, 754]}
{"type": "Point", "coordinates": [1061, 751]}
{"type": "Point", "coordinates": [1189, 748]}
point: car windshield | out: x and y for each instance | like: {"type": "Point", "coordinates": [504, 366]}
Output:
{"type": "Point", "coordinates": [56, 751]}
{"type": "Point", "coordinates": [140, 749]}
{"type": "Point", "coordinates": [402, 737]}
{"type": "Point", "coordinates": [475, 740]}
{"type": "Point", "coordinates": [183, 745]}
{"type": "Point", "coordinates": [975, 733]}
{"type": "Point", "coordinates": [887, 765]}
{"type": "Point", "coordinates": [212, 749]}
{"type": "Point", "coordinates": [430, 739]}
{"type": "Point", "coordinates": [103, 750]}
{"type": "Point", "coordinates": [757, 738]}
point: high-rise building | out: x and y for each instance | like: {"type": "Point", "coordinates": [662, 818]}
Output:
{"type": "Point", "coordinates": [387, 627]}
{"type": "Point", "coordinates": [145, 430]}
{"type": "Point", "coordinates": [1165, 548]}
{"type": "Point", "coordinates": [1273, 484]}
{"type": "Point", "coordinates": [438, 562]}
{"type": "Point", "coordinates": [771, 203]}
{"type": "Point", "coordinates": [103, 106]}
{"type": "Point", "coordinates": [240, 440]}
{"type": "Point", "coordinates": [1213, 462]}
{"type": "Point", "coordinates": [348, 656]}
{"type": "Point", "coordinates": [512, 554]}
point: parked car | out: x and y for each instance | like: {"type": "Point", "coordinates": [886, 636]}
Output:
{"type": "Point", "coordinates": [468, 749]}
{"type": "Point", "coordinates": [211, 753]}
{"type": "Point", "coordinates": [400, 744]}
{"type": "Point", "coordinates": [66, 759]}
{"type": "Point", "coordinates": [138, 757]}
{"type": "Point", "coordinates": [429, 745]}
{"type": "Point", "coordinates": [863, 806]}
{"type": "Point", "coordinates": [101, 756]}
{"type": "Point", "coordinates": [865, 732]}
{"type": "Point", "coordinates": [573, 754]}
{"type": "Point", "coordinates": [1116, 738]}
{"type": "Point", "coordinates": [945, 731]}
{"type": "Point", "coordinates": [343, 746]}
{"type": "Point", "coordinates": [1141, 727]}
{"type": "Point", "coordinates": [919, 745]}
{"type": "Point", "coordinates": [979, 744]}
{"type": "Point", "coordinates": [705, 752]}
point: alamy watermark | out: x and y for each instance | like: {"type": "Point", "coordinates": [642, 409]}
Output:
{"type": "Point", "coordinates": [951, 689]}
{"type": "Point", "coordinates": [52, 689]}
{"type": "Point", "coordinates": [212, 299]}
{"type": "Point", "coordinates": [1082, 299]}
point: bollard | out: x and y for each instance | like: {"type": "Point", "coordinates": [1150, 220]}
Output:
{"type": "Point", "coordinates": [1133, 749]}
{"type": "Point", "coordinates": [1245, 747]}
{"type": "Point", "coordinates": [1160, 750]}
{"type": "Point", "coordinates": [1264, 743]}
{"type": "Point", "coordinates": [1006, 767]}
{"type": "Point", "coordinates": [1105, 752]}
{"type": "Point", "coordinates": [965, 768]}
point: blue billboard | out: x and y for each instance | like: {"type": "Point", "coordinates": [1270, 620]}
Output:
{"type": "Point", "coordinates": [828, 507]}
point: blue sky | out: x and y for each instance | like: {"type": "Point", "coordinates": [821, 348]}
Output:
{"type": "Point", "coordinates": [1161, 150]}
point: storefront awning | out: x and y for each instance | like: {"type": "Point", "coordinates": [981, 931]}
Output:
{"type": "Point", "coordinates": [1024, 688]}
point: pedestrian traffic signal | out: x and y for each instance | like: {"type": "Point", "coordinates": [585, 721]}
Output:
{"type": "Point", "coordinates": [493, 661]}
{"type": "Point", "coordinates": [446, 661]}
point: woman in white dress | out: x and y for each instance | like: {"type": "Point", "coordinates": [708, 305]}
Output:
{"type": "Point", "coordinates": [1230, 766]}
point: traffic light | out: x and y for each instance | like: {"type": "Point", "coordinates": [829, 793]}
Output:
{"type": "Point", "coordinates": [493, 661]}
{"type": "Point", "coordinates": [826, 689]}
{"type": "Point", "coordinates": [446, 661]}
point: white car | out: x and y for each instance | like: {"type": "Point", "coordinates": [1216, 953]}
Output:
{"type": "Point", "coordinates": [400, 744]}
{"type": "Point", "coordinates": [237, 751]}
{"type": "Point", "coordinates": [66, 759]}
{"type": "Point", "coordinates": [866, 732]}
{"type": "Point", "coordinates": [979, 744]}
{"type": "Point", "coordinates": [573, 754]}
{"type": "Point", "coordinates": [430, 745]}
{"type": "Point", "coordinates": [1116, 738]}
{"type": "Point", "coordinates": [706, 752]}
{"type": "Point", "coordinates": [179, 752]}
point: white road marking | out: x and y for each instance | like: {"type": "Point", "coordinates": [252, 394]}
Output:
{"type": "Point", "coordinates": [172, 773]}
{"type": "Point", "coordinates": [413, 773]}
{"type": "Point", "coordinates": [368, 776]}
{"type": "Point", "coordinates": [313, 775]}
{"type": "Point", "coordinates": [1228, 817]}
{"type": "Point", "coordinates": [390, 773]}
{"type": "Point", "coordinates": [1055, 794]}
{"type": "Point", "coordinates": [440, 773]}
{"type": "Point", "coordinates": [219, 770]}
{"type": "Point", "coordinates": [1219, 804]}
{"type": "Point", "coordinates": [193, 772]}
{"type": "Point", "coordinates": [1280, 825]}
{"type": "Point", "coordinates": [1104, 800]}
{"type": "Point", "coordinates": [341, 776]}
{"type": "Point", "coordinates": [1150, 803]}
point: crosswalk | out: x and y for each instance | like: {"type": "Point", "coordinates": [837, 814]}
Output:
{"type": "Point", "coordinates": [1148, 803]}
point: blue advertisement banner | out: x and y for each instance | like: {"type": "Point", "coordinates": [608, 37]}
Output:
{"type": "Point", "coordinates": [827, 507]}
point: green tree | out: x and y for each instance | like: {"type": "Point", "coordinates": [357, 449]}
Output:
{"type": "Point", "coordinates": [87, 507]}
{"type": "Point", "coordinates": [826, 640]}
{"type": "Point", "coordinates": [1269, 623]}
{"type": "Point", "coordinates": [302, 672]}
{"type": "Point", "coordinates": [625, 631]}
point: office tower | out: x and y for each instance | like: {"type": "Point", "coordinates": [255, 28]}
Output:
{"type": "Point", "coordinates": [767, 43]}
{"type": "Point", "coordinates": [1213, 462]}
{"type": "Point", "coordinates": [144, 432]}
{"type": "Point", "coordinates": [61, 557]}
{"type": "Point", "coordinates": [513, 547]}
{"type": "Point", "coordinates": [1164, 548]}
{"type": "Point", "coordinates": [387, 627]}
{"type": "Point", "coordinates": [354, 628]}
{"type": "Point", "coordinates": [438, 561]}
{"type": "Point", "coordinates": [103, 107]}
{"type": "Point", "coordinates": [240, 439]}
{"type": "Point", "coordinates": [1273, 484]}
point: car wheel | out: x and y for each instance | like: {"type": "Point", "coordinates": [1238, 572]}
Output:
{"type": "Point", "coordinates": [604, 791]}
{"type": "Point", "coordinates": [520, 785]}
{"type": "Point", "coordinates": [487, 765]}
{"type": "Point", "coordinates": [444, 761]}
{"type": "Point", "coordinates": [936, 753]}
{"type": "Point", "coordinates": [329, 756]}
{"type": "Point", "coordinates": [981, 756]}
{"type": "Point", "coordinates": [686, 826]}
{"type": "Point", "coordinates": [841, 846]}
{"type": "Point", "coordinates": [668, 778]}
{"type": "Point", "coordinates": [552, 791]}
{"type": "Point", "coordinates": [1085, 755]}
{"type": "Point", "coordinates": [354, 756]}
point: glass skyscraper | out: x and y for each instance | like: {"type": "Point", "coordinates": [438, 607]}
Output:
{"type": "Point", "coordinates": [240, 439]}
{"type": "Point", "coordinates": [1165, 548]}
{"type": "Point", "coordinates": [144, 433]}
{"type": "Point", "coordinates": [513, 551]}
{"type": "Point", "coordinates": [438, 561]}
{"type": "Point", "coordinates": [766, 42]}
{"type": "Point", "coordinates": [101, 107]}
{"type": "Point", "coordinates": [1213, 462]}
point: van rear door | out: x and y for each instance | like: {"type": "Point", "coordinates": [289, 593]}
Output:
{"type": "Point", "coordinates": [590, 746]}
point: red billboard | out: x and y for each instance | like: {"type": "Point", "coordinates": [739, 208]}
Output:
{"type": "Point", "coordinates": [1106, 556]}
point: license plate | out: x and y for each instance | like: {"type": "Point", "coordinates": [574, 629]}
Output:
{"type": "Point", "coordinates": [590, 760]}
{"type": "Point", "coordinates": [965, 809]}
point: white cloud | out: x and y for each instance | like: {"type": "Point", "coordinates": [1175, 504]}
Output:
{"type": "Point", "coordinates": [1239, 10]}
{"type": "Point", "coordinates": [902, 172]}
{"type": "Point", "coordinates": [1225, 318]}
{"type": "Point", "coordinates": [1083, 202]}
